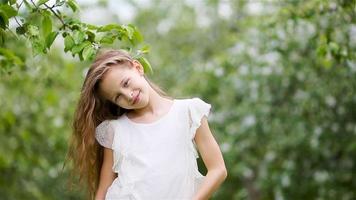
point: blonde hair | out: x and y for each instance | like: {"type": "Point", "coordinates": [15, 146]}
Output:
{"type": "Point", "coordinates": [85, 152]}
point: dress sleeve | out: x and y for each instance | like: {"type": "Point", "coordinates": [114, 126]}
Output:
{"type": "Point", "coordinates": [104, 134]}
{"type": "Point", "coordinates": [197, 110]}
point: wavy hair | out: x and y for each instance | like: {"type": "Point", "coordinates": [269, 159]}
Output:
{"type": "Point", "coordinates": [84, 151]}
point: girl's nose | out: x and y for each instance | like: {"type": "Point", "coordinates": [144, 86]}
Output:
{"type": "Point", "coordinates": [130, 95]}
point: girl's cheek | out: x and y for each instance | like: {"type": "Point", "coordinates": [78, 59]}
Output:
{"type": "Point", "coordinates": [123, 103]}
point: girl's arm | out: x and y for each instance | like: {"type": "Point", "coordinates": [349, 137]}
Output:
{"type": "Point", "coordinates": [107, 176]}
{"type": "Point", "coordinates": [213, 160]}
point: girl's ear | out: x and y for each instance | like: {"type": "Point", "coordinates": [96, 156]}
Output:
{"type": "Point", "coordinates": [137, 65]}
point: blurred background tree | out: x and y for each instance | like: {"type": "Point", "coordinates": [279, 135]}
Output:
{"type": "Point", "coordinates": [280, 76]}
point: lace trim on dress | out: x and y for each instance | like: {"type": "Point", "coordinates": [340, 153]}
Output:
{"type": "Point", "coordinates": [197, 109]}
{"type": "Point", "coordinates": [104, 134]}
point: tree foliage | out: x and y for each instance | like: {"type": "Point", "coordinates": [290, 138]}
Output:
{"type": "Point", "coordinates": [282, 84]}
{"type": "Point", "coordinates": [281, 81]}
{"type": "Point", "coordinates": [40, 24]}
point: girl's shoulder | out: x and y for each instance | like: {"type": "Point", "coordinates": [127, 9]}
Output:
{"type": "Point", "coordinates": [105, 126]}
{"type": "Point", "coordinates": [196, 108]}
{"type": "Point", "coordinates": [104, 133]}
{"type": "Point", "coordinates": [193, 102]}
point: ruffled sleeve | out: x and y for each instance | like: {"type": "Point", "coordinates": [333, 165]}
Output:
{"type": "Point", "coordinates": [104, 134]}
{"type": "Point", "coordinates": [197, 110]}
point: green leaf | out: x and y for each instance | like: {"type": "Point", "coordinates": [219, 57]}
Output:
{"type": "Point", "coordinates": [8, 61]}
{"type": "Point", "coordinates": [92, 27]}
{"type": "Point", "coordinates": [46, 25]}
{"type": "Point", "coordinates": [2, 37]}
{"type": "Point", "coordinates": [136, 37]}
{"type": "Point", "coordinates": [78, 48]}
{"type": "Point", "coordinates": [73, 5]}
{"type": "Point", "coordinates": [40, 2]}
{"type": "Point", "coordinates": [91, 36]}
{"type": "Point", "coordinates": [9, 11]}
{"type": "Point", "coordinates": [140, 52]}
{"type": "Point", "coordinates": [80, 56]}
{"type": "Point", "coordinates": [68, 43]}
{"type": "Point", "coordinates": [50, 38]}
{"type": "Point", "coordinates": [38, 46]}
{"type": "Point", "coordinates": [146, 65]}
{"type": "Point", "coordinates": [78, 36]}
{"type": "Point", "coordinates": [88, 52]}
{"type": "Point", "coordinates": [4, 21]}
{"type": "Point", "coordinates": [109, 27]}
{"type": "Point", "coordinates": [59, 2]}
{"type": "Point", "coordinates": [11, 56]}
{"type": "Point", "coordinates": [129, 31]}
{"type": "Point", "coordinates": [107, 39]}
{"type": "Point", "coordinates": [145, 49]}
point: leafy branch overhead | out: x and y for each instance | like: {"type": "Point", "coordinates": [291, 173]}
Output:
{"type": "Point", "coordinates": [41, 23]}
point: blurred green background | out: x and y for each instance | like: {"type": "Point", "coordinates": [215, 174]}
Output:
{"type": "Point", "coordinates": [280, 76]}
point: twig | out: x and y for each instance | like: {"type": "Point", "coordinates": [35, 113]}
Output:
{"type": "Point", "coordinates": [19, 5]}
{"type": "Point", "coordinates": [34, 4]}
{"type": "Point", "coordinates": [51, 9]}
{"type": "Point", "coordinates": [60, 19]}
{"type": "Point", "coordinates": [17, 21]}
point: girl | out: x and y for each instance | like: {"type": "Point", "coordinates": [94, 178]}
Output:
{"type": "Point", "coordinates": [132, 141]}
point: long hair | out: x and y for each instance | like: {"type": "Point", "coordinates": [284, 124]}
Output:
{"type": "Point", "coordinates": [92, 109]}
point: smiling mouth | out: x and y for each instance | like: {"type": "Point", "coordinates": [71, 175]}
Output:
{"type": "Point", "coordinates": [136, 98]}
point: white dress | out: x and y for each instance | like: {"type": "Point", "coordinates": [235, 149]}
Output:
{"type": "Point", "coordinates": [155, 161]}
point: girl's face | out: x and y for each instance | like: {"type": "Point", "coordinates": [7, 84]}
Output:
{"type": "Point", "coordinates": [125, 86]}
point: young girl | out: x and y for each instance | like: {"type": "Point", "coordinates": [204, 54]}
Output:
{"type": "Point", "coordinates": [132, 141]}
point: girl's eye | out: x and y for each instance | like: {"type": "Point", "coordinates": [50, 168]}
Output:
{"type": "Point", "coordinates": [125, 84]}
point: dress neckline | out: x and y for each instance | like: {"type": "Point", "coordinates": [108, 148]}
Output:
{"type": "Point", "coordinates": [154, 122]}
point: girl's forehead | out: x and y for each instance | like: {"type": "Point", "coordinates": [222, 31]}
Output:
{"type": "Point", "coordinates": [116, 72]}
{"type": "Point", "coordinates": [112, 79]}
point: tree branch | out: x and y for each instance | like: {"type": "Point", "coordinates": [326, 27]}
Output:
{"type": "Point", "coordinates": [59, 17]}
{"type": "Point", "coordinates": [17, 21]}
{"type": "Point", "coordinates": [51, 9]}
